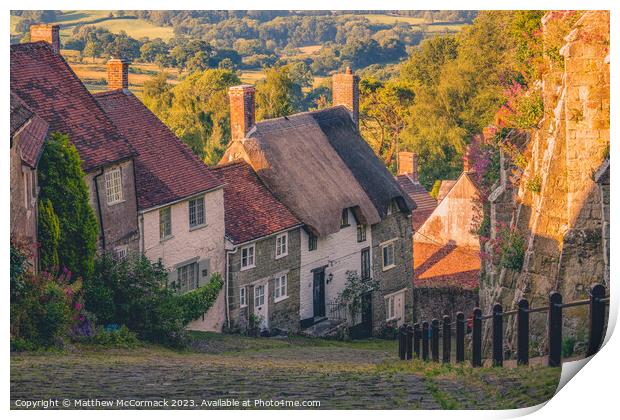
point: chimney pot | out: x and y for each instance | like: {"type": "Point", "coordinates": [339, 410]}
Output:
{"type": "Point", "coordinates": [345, 91]}
{"type": "Point", "coordinates": [47, 33]}
{"type": "Point", "coordinates": [408, 164]}
{"type": "Point", "coordinates": [242, 110]}
{"type": "Point", "coordinates": [118, 74]}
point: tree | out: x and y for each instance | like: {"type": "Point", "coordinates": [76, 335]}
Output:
{"type": "Point", "coordinates": [277, 95]}
{"type": "Point", "coordinates": [49, 236]}
{"type": "Point", "coordinates": [92, 48]}
{"type": "Point", "coordinates": [384, 113]}
{"type": "Point", "coordinates": [61, 179]}
{"type": "Point", "coordinates": [196, 109]}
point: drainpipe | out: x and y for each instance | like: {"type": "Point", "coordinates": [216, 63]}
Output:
{"type": "Point", "coordinates": [228, 254]}
{"type": "Point", "coordinates": [95, 179]}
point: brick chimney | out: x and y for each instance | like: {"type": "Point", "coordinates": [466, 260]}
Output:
{"type": "Point", "coordinates": [242, 110]}
{"type": "Point", "coordinates": [118, 74]}
{"type": "Point", "coordinates": [345, 91]}
{"type": "Point", "coordinates": [47, 33]}
{"type": "Point", "coordinates": [466, 167]}
{"type": "Point", "coordinates": [408, 164]}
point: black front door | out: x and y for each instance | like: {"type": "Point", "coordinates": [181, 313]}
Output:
{"type": "Point", "coordinates": [364, 328]}
{"type": "Point", "coordinates": [318, 292]}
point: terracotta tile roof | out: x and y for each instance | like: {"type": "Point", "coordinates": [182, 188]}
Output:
{"type": "Point", "coordinates": [46, 83]}
{"type": "Point", "coordinates": [28, 130]}
{"type": "Point", "coordinates": [447, 265]}
{"type": "Point", "coordinates": [251, 210]}
{"type": "Point", "coordinates": [416, 191]}
{"type": "Point", "coordinates": [166, 169]}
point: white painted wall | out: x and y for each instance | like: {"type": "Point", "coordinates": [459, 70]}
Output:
{"type": "Point", "coordinates": [203, 243]}
{"type": "Point", "coordinates": [340, 252]}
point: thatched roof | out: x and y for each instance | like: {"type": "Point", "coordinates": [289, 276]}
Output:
{"type": "Point", "coordinates": [295, 159]}
{"type": "Point", "coordinates": [361, 160]}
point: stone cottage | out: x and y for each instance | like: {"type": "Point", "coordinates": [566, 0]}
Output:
{"type": "Point", "coordinates": [48, 86]}
{"type": "Point", "coordinates": [446, 251]}
{"type": "Point", "coordinates": [28, 133]}
{"type": "Point", "coordinates": [355, 216]}
{"type": "Point", "coordinates": [180, 201]}
{"type": "Point", "coordinates": [262, 253]}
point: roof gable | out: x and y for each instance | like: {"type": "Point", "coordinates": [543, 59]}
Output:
{"type": "Point", "coordinates": [251, 210]}
{"type": "Point", "coordinates": [166, 169]}
{"type": "Point", "coordinates": [46, 83]}
{"type": "Point", "coordinates": [28, 131]}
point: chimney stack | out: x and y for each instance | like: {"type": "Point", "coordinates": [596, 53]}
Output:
{"type": "Point", "coordinates": [47, 33]}
{"type": "Point", "coordinates": [242, 110]}
{"type": "Point", "coordinates": [118, 74]}
{"type": "Point", "coordinates": [345, 91]}
{"type": "Point", "coordinates": [408, 164]}
{"type": "Point", "coordinates": [466, 167]}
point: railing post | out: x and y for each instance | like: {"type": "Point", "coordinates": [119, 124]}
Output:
{"type": "Point", "coordinates": [446, 339]}
{"type": "Point", "coordinates": [401, 342]}
{"type": "Point", "coordinates": [425, 340]}
{"type": "Point", "coordinates": [476, 358]}
{"type": "Point", "coordinates": [460, 337]}
{"type": "Point", "coordinates": [417, 333]}
{"type": "Point", "coordinates": [409, 342]}
{"type": "Point", "coordinates": [523, 332]}
{"type": "Point", "coordinates": [498, 335]}
{"type": "Point", "coordinates": [555, 329]}
{"type": "Point", "coordinates": [435, 338]}
{"type": "Point", "coordinates": [597, 318]}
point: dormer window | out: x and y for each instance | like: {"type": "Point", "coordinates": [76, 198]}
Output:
{"type": "Point", "coordinates": [392, 207]}
{"type": "Point", "coordinates": [113, 186]}
{"type": "Point", "coordinates": [344, 221]}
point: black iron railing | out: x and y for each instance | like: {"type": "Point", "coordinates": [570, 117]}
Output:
{"type": "Point", "coordinates": [425, 335]}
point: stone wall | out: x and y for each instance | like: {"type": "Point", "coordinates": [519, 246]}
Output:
{"type": "Point", "coordinates": [562, 221]}
{"type": "Point", "coordinates": [397, 225]}
{"type": "Point", "coordinates": [283, 314]}
{"type": "Point", "coordinates": [435, 302]}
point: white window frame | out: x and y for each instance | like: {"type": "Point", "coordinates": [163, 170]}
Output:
{"type": "Point", "coordinates": [361, 233]}
{"type": "Point", "coordinates": [198, 203]}
{"type": "Point", "coordinates": [168, 210]}
{"type": "Point", "coordinates": [184, 270]}
{"type": "Point", "coordinates": [390, 305]}
{"type": "Point", "coordinates": [387, 245]}
{"type": "Point", "coordinates": [113, 186]}
{"type": "Point", "coordinates": [280, 287]}
{"type": "Point", "coordinates": [248, 261]}
{"type": "Point", "coordinates": [260, 296]}
{"type": "Point", "coordinates": [120, 252]}
{"type": "Point", "coordinates": [243, 297]}
{"type": "Point", "coordinates": [282, 245]}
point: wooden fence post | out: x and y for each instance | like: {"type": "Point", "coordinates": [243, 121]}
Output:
{"type": "Point", "coordinates": [401, 342]}
{"type": "Point", "coordinates": [425, 340]}
{"type": "Point", "coordinates": [597, 318]}
{"type": "Point", "coordinates": [476, 358]}
{"type": "Point", "coordinates": [555, 329]}
{"type": "Point", "coordinates": [416, 340]}
{"type": "Point", "coordinates": [498, 335]}
{"type": "Point", "coordinates": [409, 341]}
{"type": "Point", "coordinates": [435, 339]}
{"type": "Point", "coordinates": [460, 337]}
{"type": "Point", "coordinates": [523, 333]}
{"type": "Point", "coordinates": [447, 339]}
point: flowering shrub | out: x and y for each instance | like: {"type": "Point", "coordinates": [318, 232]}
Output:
{"type": "Point", "coordinates": [508, 248]}
{"type": "Point", "coordinates": [388, 330]}
{"type": "Point", "coordinates": [43, 308]}
{"type": "Point", "coordinates": [523, 108]}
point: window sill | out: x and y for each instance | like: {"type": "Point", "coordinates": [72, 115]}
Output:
{"type": "Point", "coordinates": [247, 267]}
{"type": "Point", "coordinates": [389, 267]}
{"type": "Point", "coordinates": [281, 256]}
{"type": "Point", "coordinates": [113, 203]}
{"type": "Point", "coordinates": [344, 226]}
{"type": "Point", "coordinates": [280, 299]}
{"type": "Point", "coordinates": [165, 239]}
{"type": "Point", "coordinates": [243, 306]}
{"type": "Point", "coordinates": [198, 227]}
